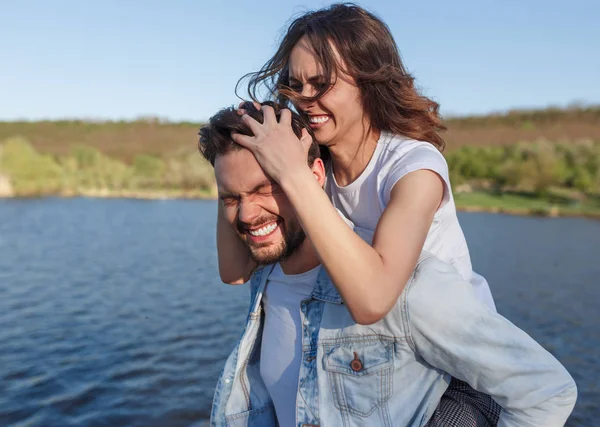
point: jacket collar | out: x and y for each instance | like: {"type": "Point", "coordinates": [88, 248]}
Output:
{"type": "Point", "coordinates": [324, 289]}
{"type": "Point", "coordinates": [258, 284]}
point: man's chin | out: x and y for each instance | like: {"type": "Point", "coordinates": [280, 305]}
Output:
{"type": "Point", "coordinates": [264, 256]}
{"type": "Point", "coordinates": [275, 250]}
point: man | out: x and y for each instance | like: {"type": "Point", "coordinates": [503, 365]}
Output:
{"type": "Point", "coordinates": [303, 361]}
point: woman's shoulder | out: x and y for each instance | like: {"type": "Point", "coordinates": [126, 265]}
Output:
{"type": "Point", "coordinates": [400, 156]}
{"type": "Point", "coordinates": [401, 153]}
{"type": "Point", "coordinates": [396, 148]}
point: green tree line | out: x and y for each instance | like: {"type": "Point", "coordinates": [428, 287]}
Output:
{"type": "Point", "coordinates": [83, 168]}
{"type": "Point", "coordinates": [533, 167]}
{"type": "Point", "coordinates": [123, 140]}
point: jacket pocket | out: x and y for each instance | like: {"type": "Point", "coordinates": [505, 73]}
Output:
{"type": "Point", "coordinates": [360, 374]}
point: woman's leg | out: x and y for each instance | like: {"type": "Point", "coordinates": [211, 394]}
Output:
{"type": "Point", "coordinates": [462, 406]}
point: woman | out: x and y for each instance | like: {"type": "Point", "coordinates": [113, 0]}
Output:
{"type": "Point", "coordinates": [341, 70]}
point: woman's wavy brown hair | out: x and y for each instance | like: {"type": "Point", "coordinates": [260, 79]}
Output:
{"type": "Point", "coordinates": [370, 56]}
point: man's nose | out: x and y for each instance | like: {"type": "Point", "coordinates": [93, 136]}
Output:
{"type": "Point", "coordinates": [248, 212]}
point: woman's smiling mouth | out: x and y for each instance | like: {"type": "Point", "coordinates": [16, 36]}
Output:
{"type": "Point", "coordinates": [318, 121]}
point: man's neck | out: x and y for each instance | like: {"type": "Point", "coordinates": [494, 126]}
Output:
{"type": "Point", "coordinates": [302, 260]}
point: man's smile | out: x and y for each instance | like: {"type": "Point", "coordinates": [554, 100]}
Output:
{"type": "Point", "coordinates": [264, 232]}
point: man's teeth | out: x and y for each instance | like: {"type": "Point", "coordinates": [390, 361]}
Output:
{"type": "Point", "coordinates": [319, 119]}
{"type": "Point", "coordinates": [263, 231]}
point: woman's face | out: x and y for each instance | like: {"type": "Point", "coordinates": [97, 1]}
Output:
{"type": "Point", "coordinates": [339, 112]}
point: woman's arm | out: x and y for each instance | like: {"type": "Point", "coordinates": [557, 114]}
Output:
{"type": "Point", "coordinates": [369, 278]}
{"type": "Point", "coordinates": [235, 264]}
{"type": "Point", "coordinates": [455, 332]}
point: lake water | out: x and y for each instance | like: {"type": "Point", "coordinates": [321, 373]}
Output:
{"type": "Point", "coordinates": [112, 314]}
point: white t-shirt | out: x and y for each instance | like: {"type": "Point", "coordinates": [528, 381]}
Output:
{"type": "Point", "coordinates": [281, 348]}
{"type": "Point", "coordinates": [364, 200]}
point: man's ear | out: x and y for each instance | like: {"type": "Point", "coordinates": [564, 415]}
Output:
{"type": "Point", "coordinates": [318, 170]}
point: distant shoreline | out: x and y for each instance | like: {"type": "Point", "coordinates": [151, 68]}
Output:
{"type": "Point", "coordinates": [144, 195]}
{"type": "Point", "coordinates": [540, 210]}
{"type": "Point", "coordinates": [551, 212]}
{"type": "Point", "coordinates": [121, 194]}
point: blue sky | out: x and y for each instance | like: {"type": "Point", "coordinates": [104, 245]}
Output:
{"type": "Point", "coordinates": [180, 60]}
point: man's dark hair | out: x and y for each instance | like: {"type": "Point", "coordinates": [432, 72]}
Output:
{"type": "Point", "coordinates": [215, 137]}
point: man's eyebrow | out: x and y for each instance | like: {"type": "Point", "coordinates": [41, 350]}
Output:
{"type": "Point", "coordinates": [266, 182]}
{"type": "Point", "coordinates": [224, 194]}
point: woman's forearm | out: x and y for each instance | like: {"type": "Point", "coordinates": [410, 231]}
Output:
{"type": "Point", "coordinates": [356, 268]}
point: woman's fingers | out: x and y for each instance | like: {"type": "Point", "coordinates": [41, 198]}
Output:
{"type": "Point", "coordinates": [306, 140]}
{"type": "Point", "coordinates": [241, 109]}
{"type": "Point", "coordinates": [269, 118]}
{"type": "Point", "coordinates": [244, 105]}
{"type": "Point", "coordinates": [244, 140]}
{"type": "Point", "coordinates": [285, 117]}
{"type": "Point", "coordinates": [255, 127]}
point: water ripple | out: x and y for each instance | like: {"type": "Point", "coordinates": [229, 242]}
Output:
{"type": "Point", "coordinates": [111, 312]}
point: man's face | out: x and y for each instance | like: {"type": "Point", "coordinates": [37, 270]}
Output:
{"type": "Point", "coordinates": [257, 208]}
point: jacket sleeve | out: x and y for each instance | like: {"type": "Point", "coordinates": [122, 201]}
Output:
{"type": "Point", "coordinates": [455, 332]}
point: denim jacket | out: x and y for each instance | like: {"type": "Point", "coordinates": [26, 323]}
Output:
{"type": "Point", "coordinates": [394, 372]}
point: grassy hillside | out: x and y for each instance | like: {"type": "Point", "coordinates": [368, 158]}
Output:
{"type": "Point", "coordinates": [545, 161]}
{"type": "Point", "coordinates": [119, 140]}
{"type": "Point", "coordinates": [560, 125]}
{"type": "Point", "coordinates": [124, 140]}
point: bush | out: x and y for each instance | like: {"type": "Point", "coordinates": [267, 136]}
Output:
{"type": "Point", "coordinates": [582, 180]}
{"type": "Point", "coordinates": [90, 169]}
{"type": "Point", "coordinates": [148, 171]}
{"type": "Point", "coordinates": [190, 171]}
{"type": "Point", "coordinates": [29, 172]}
{"type": "Point", "coordinates": [531, 167]}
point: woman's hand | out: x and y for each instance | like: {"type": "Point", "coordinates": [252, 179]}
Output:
{"type": "Point", "coordinates": [275, 145]}
{"type": "Point", "coordinates": [241, 110]}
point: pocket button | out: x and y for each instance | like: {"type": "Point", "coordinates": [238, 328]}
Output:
{"type": "Point", "coordinates": [356, 363]}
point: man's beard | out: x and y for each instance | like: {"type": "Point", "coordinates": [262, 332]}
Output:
{"type": "Point", "coordinates": [293, 237]}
